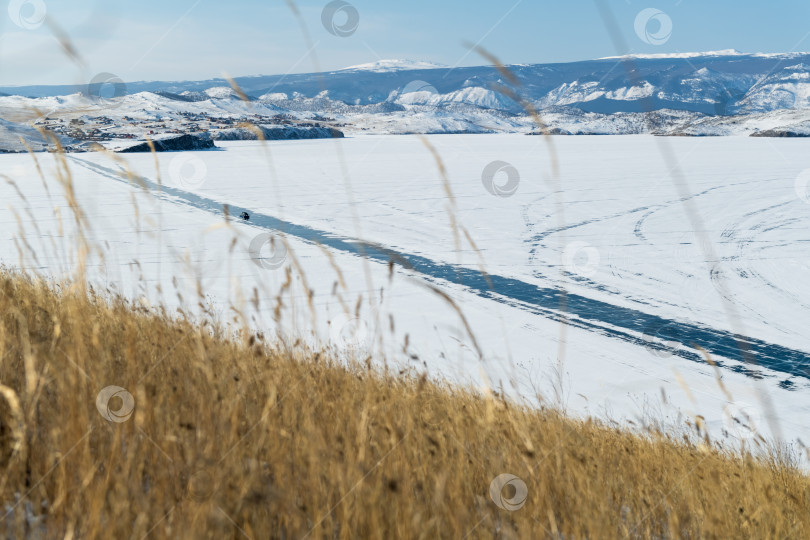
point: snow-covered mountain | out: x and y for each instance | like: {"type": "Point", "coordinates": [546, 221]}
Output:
{"type": "Point", "coordinates": [707, 93]}
{"type": "Point", "coordinates": [710, 82]}
{"type": "Point", "coordinates": [382, 66]}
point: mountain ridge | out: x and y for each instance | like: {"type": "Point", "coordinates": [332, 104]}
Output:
{"type": "Point", "coordinates": [710, 93]}
{"type": "Point", "coordinates": [713, 82]}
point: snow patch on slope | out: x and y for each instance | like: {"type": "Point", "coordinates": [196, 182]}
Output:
{"type": "Point", "coordinates": [383, 66]}
{"type": "Point", "coordinates": [724, 52]}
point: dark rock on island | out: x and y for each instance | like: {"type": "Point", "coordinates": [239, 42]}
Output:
{"type": "Point", "coordinates": [197, 141]}
{"type": "Point", "coordinates": [780, 133]}
{"type": "Point", "coordinates": [279, 133]}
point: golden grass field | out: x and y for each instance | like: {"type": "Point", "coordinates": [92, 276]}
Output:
{"type": "Point", "coordinates": [123, 421]}
{"type": "Point", "coordinates": [230, 436]}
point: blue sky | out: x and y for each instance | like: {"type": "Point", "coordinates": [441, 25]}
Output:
{"type": "Point", "coordinates": [199, 39]}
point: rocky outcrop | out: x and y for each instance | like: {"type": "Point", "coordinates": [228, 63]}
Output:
{"type": "Point", "coordinates": [279, 133]}
{"type": "Point", "coordinates": [780, 133]}
{"type": "Point", "coordinates": [552, 131]}
{"type": "Point", "coordinates": [197, 141]}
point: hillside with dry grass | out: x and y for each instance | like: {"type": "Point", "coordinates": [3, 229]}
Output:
{"type": "Point", "coordinates": [117, 421]}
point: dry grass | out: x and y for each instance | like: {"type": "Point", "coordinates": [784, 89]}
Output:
{"type": "Point", "coordinates": [236, 438]}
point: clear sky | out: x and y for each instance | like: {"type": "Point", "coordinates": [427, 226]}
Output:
{"type": "Point", "coordinates": [200, 39]}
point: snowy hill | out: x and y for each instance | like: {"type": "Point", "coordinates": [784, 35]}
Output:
{"type": "Point", "coordinates": [708, 93]}
{"type": "Point", "coordinates": [695, 82]}
{"type": "Point", "coordinates": [382, 66]}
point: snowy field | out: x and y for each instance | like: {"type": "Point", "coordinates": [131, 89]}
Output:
{"type": "Point", "coordinates": [611, 229]}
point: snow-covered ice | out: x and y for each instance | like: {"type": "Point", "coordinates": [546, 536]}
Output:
{"type": "Point", "coordinates": [611, 228]}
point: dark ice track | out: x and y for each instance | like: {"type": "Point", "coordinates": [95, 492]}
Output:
{"type": "Point", "coordinates": [742, 354]}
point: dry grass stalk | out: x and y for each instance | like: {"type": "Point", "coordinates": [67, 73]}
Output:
{"type": "Point", "coordinates": [232, 438]}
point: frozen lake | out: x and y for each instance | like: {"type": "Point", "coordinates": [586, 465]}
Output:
{"type": "Point", "coordinates": [602, 257]}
